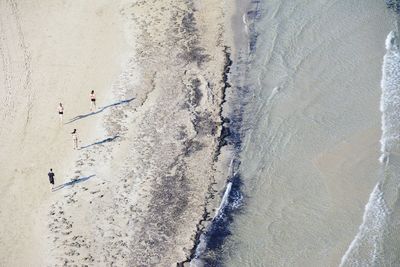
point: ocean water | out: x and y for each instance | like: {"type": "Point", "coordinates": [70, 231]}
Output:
{"type": "Point", "coordinates": [304, 110]}
{"type": "Point", "coordinates": [377, 242]}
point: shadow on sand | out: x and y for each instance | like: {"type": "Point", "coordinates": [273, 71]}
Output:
{"type": "Point", "coordinates": [73, 182]}
{"type": "Point", "coordinates": [107, 140]}
{"type": "Point", "coordinates": [79, 117]}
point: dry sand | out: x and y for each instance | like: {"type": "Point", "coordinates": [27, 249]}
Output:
{"type": "Point", "coordinates": [49, 55]}
{"type": "Point", "coordinates": [136, 190]}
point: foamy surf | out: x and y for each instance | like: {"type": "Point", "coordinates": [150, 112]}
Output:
{"type": "Point", "coordinates": [390, 100]}
{"type": "Point", "coordinates": [364, 249]}
{"type": "Point", "coordinates": [372, 246]}
{"type": "Point", "coordinates": [214, 234]}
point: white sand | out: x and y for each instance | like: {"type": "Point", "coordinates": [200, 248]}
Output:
{"type": "Point", "coordinates": [146, 166]}
{"type": "Point", "coordinates": [50, 54]}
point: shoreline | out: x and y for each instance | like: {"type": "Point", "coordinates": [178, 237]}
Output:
{"type": "Point", "coordinates": [209, 248]}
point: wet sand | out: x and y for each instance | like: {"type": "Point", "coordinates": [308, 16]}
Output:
{"type": "Point", "coordinates": [145, 177]}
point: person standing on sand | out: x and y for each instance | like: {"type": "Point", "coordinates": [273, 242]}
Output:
{"type": "Point", "coordinates": [75, 139]}
{"type": "Point", "coordinates": [92, 101]}
{"type": "Point", "coordinates": [61, 112]}
{"type": "Point", "coordinates": [51, 178]}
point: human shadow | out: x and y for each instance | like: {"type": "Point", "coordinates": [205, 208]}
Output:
{"type": "Point", "coordinates": [107, 140]}
{"type": "Point", "coordinates": [73, 182]}
{"type": "Point", "coordinates": [79, 117]}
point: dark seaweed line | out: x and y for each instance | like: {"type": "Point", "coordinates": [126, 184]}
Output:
{"type": "Point", "coordinates": [216, 232]}
{"type": "Point", "coordinates": [221, 142]}
{"type": "Point", "coordinates": [231, 134]}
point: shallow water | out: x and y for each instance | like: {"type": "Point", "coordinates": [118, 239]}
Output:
{"type": "Point", "coordinates": [309, 77]}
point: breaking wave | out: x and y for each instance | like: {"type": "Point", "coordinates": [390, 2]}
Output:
{"type": "Point", "coordinates": [376, 243]}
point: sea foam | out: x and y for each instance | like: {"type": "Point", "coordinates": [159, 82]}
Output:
{"type": "Point", "coordinates": [390, 99]}
{"type": "Point", "coordinates": [367, 248]}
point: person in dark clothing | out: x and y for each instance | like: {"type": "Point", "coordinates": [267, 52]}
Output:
{"type": "Point", "coordinates": [51, 178]}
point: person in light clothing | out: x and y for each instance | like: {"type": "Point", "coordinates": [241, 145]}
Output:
{"type": "Point", "coordinates": [92, 101]}
{"type": "Point", "coordinates": [75, 139]}
{"type": "Point", "coordinates": [61, 112]}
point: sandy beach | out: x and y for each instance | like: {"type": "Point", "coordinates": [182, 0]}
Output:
{"type": "Point", "coordinates": [49, 56]}
{"type": "Point", "coordinates": [240, 133]}
{"type": "Point", "coordinates": [144, 178]}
